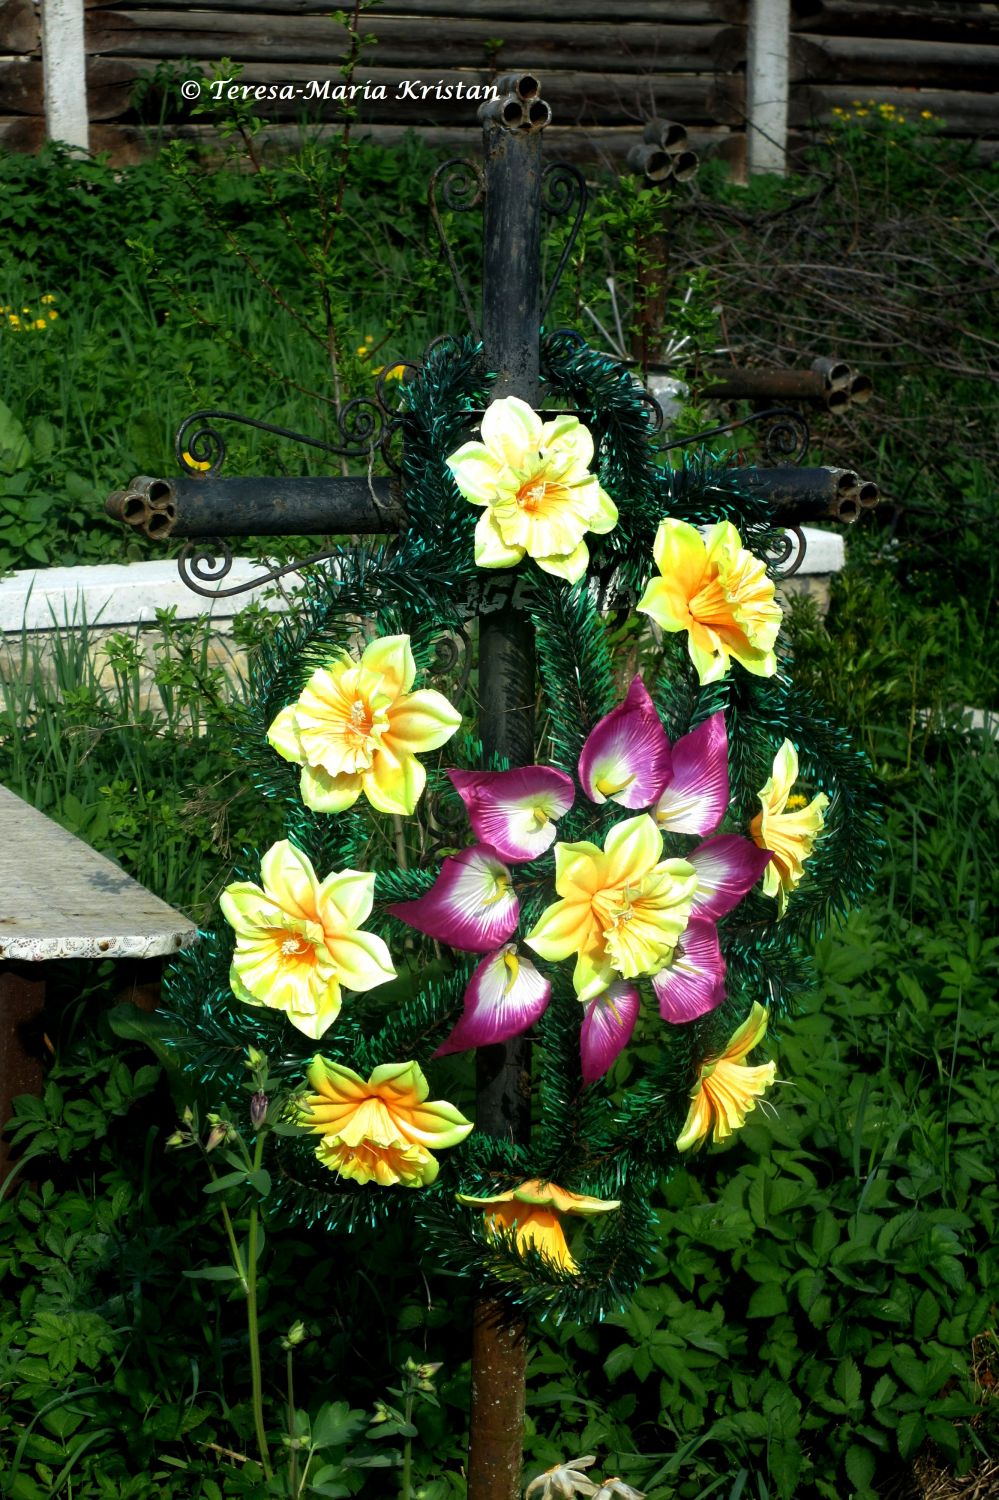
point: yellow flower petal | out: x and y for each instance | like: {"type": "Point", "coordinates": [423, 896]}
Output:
{"type": "Point", "coordinates": [491, 551]}
{"type": "Point", "coordinates": [391, 657]}
{"type": "Point", "coordinates": [329, 794]}
{"type": "Point", "coordinates": [726, 1090]}
{"type": "Point", "coordinates": [283, 735]}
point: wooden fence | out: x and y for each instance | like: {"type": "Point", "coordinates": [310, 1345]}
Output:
{"type": "Point", "coordinates": [606, 66]}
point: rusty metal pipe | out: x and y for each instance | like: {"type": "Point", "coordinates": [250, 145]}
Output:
{"type": "Point", "coordinates": [524, 85]}
{"type": "Point", "coordinates": [538, 114]}
{"type": "Point", "coordinates": [668, 134]}
{"type": "Point", "coordinates": [740, 385]}
{"type": "Point", "coordinates": [261, 507]}
{"type": "Point", "coordinates": [685, 165]}
{"type": "Point", "coordinates": [802, 495]}
{"type": "Point", "coordinates": [507, 110]}
{"type": "Point", "coordinates": [651, 162]}
{"type": "Point", "coordinates": [835, 372]}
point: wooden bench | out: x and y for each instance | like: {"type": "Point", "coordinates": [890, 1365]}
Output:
{"type": "Point", "coordinates": [60, 899]}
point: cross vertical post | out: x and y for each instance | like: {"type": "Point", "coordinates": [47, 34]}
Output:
{"type": "Point", "coordinates": [511, 305]}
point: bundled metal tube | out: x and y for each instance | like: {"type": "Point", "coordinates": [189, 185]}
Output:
{"type": "Point", "coordinates": [836, 373]}
{"type": "Point", "coordinates": [668, 134]}
{"type": "Point", "coordinates": [651, 162]}
{"type": "Point", "coordinates": [188, 507]}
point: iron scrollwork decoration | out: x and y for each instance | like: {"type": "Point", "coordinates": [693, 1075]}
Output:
{"type": "Point", "coordinates": [200, 449]}
{"type": "Point", "coordinates": [786, 438]}
{"type": "Point", "coordinates": [784, 558]}
{"type": "Point", "coordinates": [563, 187]}
{"type": "Point", "coordinates": [210, 560]}
{"type": "Point", "coordinates": [458, 184]}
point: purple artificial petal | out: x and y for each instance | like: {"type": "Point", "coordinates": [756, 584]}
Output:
{"type": "Point", "coordinates": [696, 798]}
{"type": "Point", "coordinates": [514, 812]}
{"type": "Point", "coordinates": [727, 867]}
{"type": "Point", "coordinates": [694, 983]}
{"type": "Point", "coordinates": [607, 1026]}
{"type": "Point", "coordinates": [505, 995]}
{"type": "Point", "coordinates": [626, 757]}
{"type": "Point", "coordinates": [471, 905]}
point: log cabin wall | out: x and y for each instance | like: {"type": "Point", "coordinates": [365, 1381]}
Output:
{"type": "Point", "coordinates": [606, 65]}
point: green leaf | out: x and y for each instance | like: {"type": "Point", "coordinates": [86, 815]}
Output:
{"type": "Point", "coordinates": [846, 1382]}
{"type": "Point", "coordinates": [618, 1360]}
{"type": "Point", "coordinates": [883, 1392]}
{"type": "Point", "coordinates": [926, 1316]}
{"type": "Point", "coordinates": [767, 1301]}
{"type": "Point", "coordinates": [227, 1180]}
{"type": "Point", "coordinates": [335, 1424]}
{"type": "Point", "coordinates": [214, 1273]}
{"type": "Point", "coordinates": [911, 1432]}
{"type": "Point", "coordinates": [860, 1466]}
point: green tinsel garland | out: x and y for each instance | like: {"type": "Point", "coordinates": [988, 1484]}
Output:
{"type": "Point", "coordinates": [425, 585]}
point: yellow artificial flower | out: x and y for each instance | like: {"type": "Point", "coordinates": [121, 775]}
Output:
{"type": "Point", "coordinates": [726, 1090]}
{"type": "Point", "coordinates": [298, 941]}
{"type": "Point", "coordinates": [719, 593]}
{"type": "Point", "coordinates": [534, 480]}
{"type": "Point", "coordinates": [789, 835]}
{"type": "Point", "coordinates": [357, 728]}
{"type": "Point", "coordinates": [533, 1212]}
{"type": "Point", "coordinates": [623, 907]}
{"type": "Point", "coordinates": [379, 1130]}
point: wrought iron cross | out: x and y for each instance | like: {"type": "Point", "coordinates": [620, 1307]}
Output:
{"type": "Point", "coordinates": [514, 190]}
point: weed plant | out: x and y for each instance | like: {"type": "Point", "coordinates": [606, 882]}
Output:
{"type": "Point", "coordinates": [127, 741]}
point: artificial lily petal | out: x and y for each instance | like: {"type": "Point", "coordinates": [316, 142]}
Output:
{"type": "Point", "coordinates": [726, 1090]}
{"type": "Point", "coordinates": [564, 1480]}
{"type": "Point", "coordinates": [356, 727]}
{"type": "Point", "coordinates": [727, 867]}
{"type": "Point", "coordinates": [514, 811]}
{"type": "Point", "coordinates": [471, 905]}
{"type": "Point", "coordinates": [298, 942]}
{"type": "Point", "coordinates": [696, 797]}
{"type": "Point", "coordinates": [505, 996]}
{"type": "Point", "coordinates": [626, 757]}
{"type": "Point", "coordinates": [533, 477]}
{"type": "Point", "coordinates": [607, 1027]}
{"type": "Point", "coordinates": [694, 982]}
{"type": "Point", "coordinates": [532, 1211]}
{"type": "Point", "coordinates": [719, 593]}
{"type": "Point", "coordinates": [790, 836]}
{"type": "Point", "coordinates": [379, 1130]}
{"type": "Point", "coordinates": [622, 907]}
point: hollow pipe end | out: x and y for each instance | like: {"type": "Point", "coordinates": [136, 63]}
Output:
{"type": "Point", "coordinates": [538, 114]}
{"type": "Point", "coordinates": [524, 85]}
{"type": "Point", "coordinates": [506, 110]}
{"type": "Point", "coordinates": [869, 495]}
{"type": "Point", "coordinates": [861, 389]}
{"type": "Point", "coordinates": [685, 165]}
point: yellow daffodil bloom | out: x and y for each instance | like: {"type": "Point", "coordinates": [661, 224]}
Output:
{"type": "Point", "coordinates": [623, 908]}
{"type": "Point", "coordinates": [533, 1211]}
{"type": "Point", "coordinates": [379, 1129]}
{"type": "Point", "coordinates": [357, 728]}
{"type": "Point", "coordinates": [726, 1090]}
{"type": "Point", "coordinates": [719, 593]}
{"type": "Point", "coordinates": [789, 835]}
{"type": "Point", "coordinates": [534, 480]}
{"type": "Point", "coordinates": [298, 941]}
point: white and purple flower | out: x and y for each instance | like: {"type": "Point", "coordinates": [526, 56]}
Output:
{"type": "Point", "coordinates": [472, 905]}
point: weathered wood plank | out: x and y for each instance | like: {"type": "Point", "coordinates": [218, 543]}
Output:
{"type": "Point", "coordinates": [954, 23]}
{"type": "Point", "coordinates": [61, 899]}
{"type": "Point", "coordinates": [22, 132]}
{"type": "Point", "coordinates": [672, 12]}
{"type": "Point", "coordinates": [21, 87]}
{"type": "Point", "coordinates": [576, 98]}
{"type": "Point", "coordinates": [20, 30]}
{"type": "Point", "coordinates": [959, 112]}
{"type": "Point", "coordinates": [889, 61]}
{"type": "Point", "coordinates": [417, 43]}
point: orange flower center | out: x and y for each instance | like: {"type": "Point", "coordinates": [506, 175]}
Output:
{"type": "Point", "coordinates": [297, 948]}
{"type": "Point", "coordinates": [535, 493]}
{"type": "Point", "coordinates": [358, 726]}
